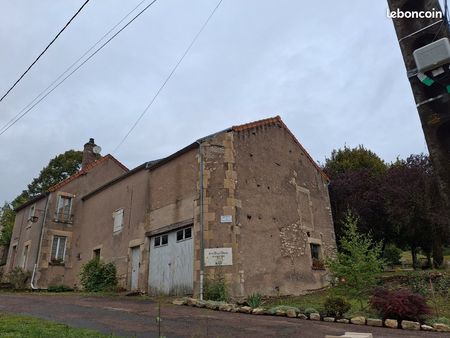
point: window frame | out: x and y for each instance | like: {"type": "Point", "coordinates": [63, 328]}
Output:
{"type": "Point", "coordinates": [161, 239]}
{"type": "Point", "coordinates": [63, 216]}
{"type": "Point", "coordinates": [117, 212]}
{"type": "Point", "coordinates": [319, 251]}
{"type": "Point", "coordinates": [58, 243]}
{"type": "Point", "coordinates": [183, 232]}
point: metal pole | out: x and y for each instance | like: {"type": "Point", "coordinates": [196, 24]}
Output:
{"type": "Point", "coordinates": [202, 244]}
{"type": "Point", "coordinates": [36, 264]}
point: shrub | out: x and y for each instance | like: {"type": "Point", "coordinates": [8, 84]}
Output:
{"type": "Point", "coordinates": [418, 284]}
{"type": "Point", "coordinates": [215, 288]}
{"type": "Point", "coordinates": [98, 276]}
{"type": "Point", "coordinates": [254, 300]}
{"type": "Point", "coordinates": [441, 320]}
{"type": "Point", "coordinates": [310, 310]}
{"type": "Point", "coordinates": [284, 308]}
{"type": "Point", "coordinates": [392, 255]}
{"type": "Point", "coordinates": [399, 304]}
{"type": "Point", "coordinates": [18, 278]}
{"type": "Point", "coordinates": [442, 285]}
{"type": "Point", "coordinates": [59, 288]}
{"type": "Point", "coordinates": [336, 307]}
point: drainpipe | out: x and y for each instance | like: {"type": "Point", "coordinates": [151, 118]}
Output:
{"type": "Point", "coordinates": [33, 286]}
{"type": "Point", "coordinates": [202, 244]}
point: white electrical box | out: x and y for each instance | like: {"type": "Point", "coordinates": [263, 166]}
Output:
{"type": "Point", "coordinates": [433, 55]}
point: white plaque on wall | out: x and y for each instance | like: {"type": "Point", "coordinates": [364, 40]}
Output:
{"type": "Point", "coordinates": [218, 256]}
{"type": "Point", "coordinates": [226, 219]}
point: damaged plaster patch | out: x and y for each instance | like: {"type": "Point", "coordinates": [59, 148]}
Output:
{"type": "Point", "coordinates": [293, 240]}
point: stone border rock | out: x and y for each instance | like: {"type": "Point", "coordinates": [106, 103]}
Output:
{"type": "Point", "coordinates": [291, 313]}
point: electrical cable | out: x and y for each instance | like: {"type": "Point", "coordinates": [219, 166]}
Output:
{"type": "Point", "coordinates": [43, 52]}
{"type": "Point", "coordinates": [78, 67]}
{"type": "Point", "coordinates": [73, 64]}
{"type": "Point", "coordinates": [169, 76]}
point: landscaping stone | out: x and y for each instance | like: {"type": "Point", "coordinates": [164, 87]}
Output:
{"type": "Point", "coordinates": [426, 327]}
{"type": "Point", "coordinates": [179, 302]}
{"type": "Point", "coordinates": [226, 307]}
{"type": "Point", "coordinates": [302, 316]}
{"type": "Point", "coordinates": [200, 303]}
{"type": "Point", "coordinates": [245, 309]}
{"type": "Point", "coordinates": [408, 325]}
{"type": "Point", "coordinates": [280, 312]}
{"type": "Point", "coordinates": [329, 319]}
{"type": "Point", "coordinates": [212, 305]}
{"type": "Point", "coordinates": [392, 323]}
{"type": "Point", "coordinates": [258, 311]}
{"type": "Point", "coordinates": [314, 316]}
{"type": "Point", "coordinates": [374, 322]}
{"type": "Point", "coordinates": [343, 321]}
{"type": "Point", "coordinates": [191, 301]}
{"type": "Point", "coordinates": [441, 327]}
{"type": "Point", "coordinates": [359, 320]}
{"type": "Point", "coordinates": [291, 313]}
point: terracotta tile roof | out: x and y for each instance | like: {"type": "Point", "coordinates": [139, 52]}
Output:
{"type": "Point", "coordinates": [86, 169]}
{"type": "Point", "coordinates": [277, 121]}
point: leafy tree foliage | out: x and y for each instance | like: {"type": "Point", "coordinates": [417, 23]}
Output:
{"type": "Point", "coordinates": [356, 180]}
{"type": "Point", "coordinates": [414, 207]}
{"type": "Point", "coordinates": [397, 203]}
{"type": "Point", "coordinates": [7, 216]}
{"type": "Point", "coordinates": [351, 159]}
{"type": "Point", "coordinates": [358, 264]}
{"type": "Point", "coordinates": [58, 169]}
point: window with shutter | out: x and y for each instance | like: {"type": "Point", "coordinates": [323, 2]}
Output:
{"type": "Point", "coordinates": [118, 220]}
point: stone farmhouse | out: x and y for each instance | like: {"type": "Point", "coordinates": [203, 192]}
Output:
{"type": "Point", "coordinates": [250, 198]}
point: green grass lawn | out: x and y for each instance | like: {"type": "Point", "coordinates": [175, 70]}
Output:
{"type": "Point", "coordinates": [12, 326]}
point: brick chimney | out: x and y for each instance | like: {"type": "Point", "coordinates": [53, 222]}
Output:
{"type": "Point", "coordinates": [88, 153]}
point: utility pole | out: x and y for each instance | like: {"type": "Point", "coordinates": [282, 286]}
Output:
{"type": "Point", "coordinates": [430, 93]}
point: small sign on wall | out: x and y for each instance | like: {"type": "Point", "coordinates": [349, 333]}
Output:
{"type": "Point", "coordinates": [226, 219]}
{"type": "Point", "coordinates": [218, 256]}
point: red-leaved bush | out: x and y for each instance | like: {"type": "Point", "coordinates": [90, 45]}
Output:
{"type": "Point", "coordinates": [399, 304]}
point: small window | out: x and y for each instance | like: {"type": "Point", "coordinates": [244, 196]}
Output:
{"type": "Point", "coordinates": [161, 240]}
{"type": "Point", "coordinates": [315, 251]}
{"type": "Point", "coordinates": [25, 257]}
{"type": "Point", "coordinates": [118, 220]}
{"type": "Point", "coordinates": [64, 209]}
{"type": "Point", "coordinates": [184, 234]}
{"type": "Point", "coordinates": [187, 233]}
{"type": "Point", "coordinates": [96, 254]}
{"type": "Point", "coordinates": [32, 212]}
{"type": "Point", "coordinates": [58, 249]}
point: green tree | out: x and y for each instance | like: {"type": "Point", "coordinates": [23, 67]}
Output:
{"type": "Point", "coordinates": [356, 268]}
{"type": "Point", "coordinates": [57, 170]}
{"type": "Point", "coordinates": [7, 216]}
{"type": "Point", "coordinates": [357, 176]}
{"type": "Point", "coordinates": [350, 159]}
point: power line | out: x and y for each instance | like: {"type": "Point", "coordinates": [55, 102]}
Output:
{"type": "Point", "coordinates": [78, 67]}
{"type": "Point", "coordinates": [72, 65]}
{"type": "Point", "coordinates": [45, 49]}
{"type": "Point", "coordinates": [169, 76]}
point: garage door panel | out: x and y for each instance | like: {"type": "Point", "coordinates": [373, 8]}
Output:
{"type": "Point", "coordinates": [172, 263]}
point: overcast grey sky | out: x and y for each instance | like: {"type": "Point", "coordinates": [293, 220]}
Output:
{"type": "Point", "coordinates": [332, 70]}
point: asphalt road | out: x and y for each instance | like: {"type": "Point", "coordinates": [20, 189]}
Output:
{"type": "Point", "coordinates": [131, 317]}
